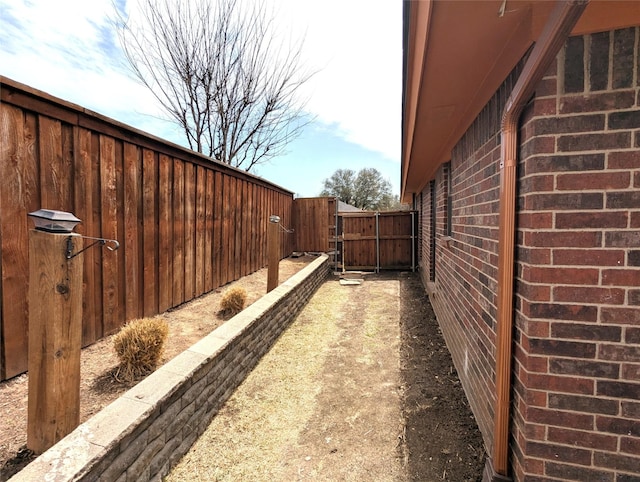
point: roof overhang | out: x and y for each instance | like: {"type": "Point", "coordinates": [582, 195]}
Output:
{"type": "Point", "coordinates": [456, 55]}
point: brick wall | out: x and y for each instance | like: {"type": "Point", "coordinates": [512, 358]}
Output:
{"type": "Point", "coordinates": [576, 401]}
{"type": "Point", "coordinates": [576, 408]}
{"type": "Point", "coordinates": [145, 432]}
{"type": "Point", "coordinates": [464, 292]}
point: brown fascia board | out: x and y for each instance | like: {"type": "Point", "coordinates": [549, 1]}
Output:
{"type": "Point", "coordinates": [422, 151]}
{"type": "Point", "coordinates": [416, 21]}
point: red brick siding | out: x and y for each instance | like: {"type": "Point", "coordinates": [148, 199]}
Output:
{"type": "Point", "coordinates": [423, 206]}
{"type": "Point", "coordinates": [578, 355]}
{"type": "Point", "coordinates": [576, 414]}
{"type": "Point", "coordinates": [464, 291]}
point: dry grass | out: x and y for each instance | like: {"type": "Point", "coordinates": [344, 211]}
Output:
{"type": "Point", "coordinates": [233, 301]}
{"type": "Point", "coordinates": [139, 345]}
{"type": "Point", "coordinates": [271, 407]}
{"type": "Point", "coordinates": [323, 404]}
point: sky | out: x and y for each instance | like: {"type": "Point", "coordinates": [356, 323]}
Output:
{"type": "Point", "coordinates": [69, 49]}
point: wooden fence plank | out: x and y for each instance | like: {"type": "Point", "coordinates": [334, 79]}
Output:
{"type": "Point", "coordinates": [201, 187]}
{"type": "Point", "coordinates": [278, 212]}
{"type": "Point", "coordinates": [264, 221]}
{"type": "Point", "coordinates": [53, 176]}
{"type": "Point", "coordinates": [237, 228]}
{"type": "Point", "coordinates": [233, 228]}
{"type": "Point", "coordinates": [150, 232]}
{"type": "Point", "coordinates": [240, 228]}
{"type": "Point", "coordinates": [245, 236]}
{"type": "Point", "coordinates": [83, 209]}
{"type": "Point", "coordinates": [86, 183]}
{"type": "Point", "coordinates": [121, 318]}
{"type": "Point", "coordinates": [218, 220]}
{"type": "Point", "coordinates": [208, 239]}
{"type": "Point", "coordinates": [255, 226]}
{"type": "Point", "coordinates": [227, 231]}
{"type": "Point", "coordinates": [275, 202]}
{"type": "Point", "coordinates": [66, 183]}
{"type": "Point", "coordinates": [257, 223]}
{"type": "Point", "coordinates": [165, 234]}
{"type": "Point", "coordinates": [283, 220]}
{"type": "Point", "coordinates": [251, 238]}
{"type": "Point", "coordinates": [224, 228]}
{"type": "Point", "coordinates": [178, 232]}
{"type": "Point", "coordinates": [270, 211]}
{"type": "Point", "coordinates": [290, 236]}
{"type": "Point", "coordinates": [267, 212]}
{"type": "Point", "coordinates": [264, 216]}
{"type": "Point", "coordinates": [133, 251]}
{"type": "Point", "coordinates": [97, 225]}
{"type": "Point", "coordinates": [189, 231]}
{"type": "Point", "coordinates": [109, 230]}
{"type": "Point", "coordinates": [16, 169]}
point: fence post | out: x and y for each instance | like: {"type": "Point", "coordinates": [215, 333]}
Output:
{"type": "Point", "coordinates": [55, 337]}
{"type": "Point", "coordinates": [377, 242]}
{"type": "Point", "coordinates": [273, 250]}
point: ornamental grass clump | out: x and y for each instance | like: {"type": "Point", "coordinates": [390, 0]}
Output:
{"type": "Point", "coordinates": [233, 301]}
{"type": "Point", "coordinates": [139, 345]}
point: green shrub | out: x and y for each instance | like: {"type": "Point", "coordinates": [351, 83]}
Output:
{"type": "Point", "coordinates": [139, 345]}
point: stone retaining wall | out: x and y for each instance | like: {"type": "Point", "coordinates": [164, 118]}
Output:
{"type": "Point", "coordinates": [144, 433]}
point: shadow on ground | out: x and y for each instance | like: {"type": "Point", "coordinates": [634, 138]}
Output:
{"type": "Point", "coordinates": [442, 440]}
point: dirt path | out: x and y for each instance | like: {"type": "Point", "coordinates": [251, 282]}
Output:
{"type": "Point", "coordinates": [336, 399]}
{"type": "Point", "coordinates": [442, 440]}
{"type": "Point", "coordinates": [361, 387]}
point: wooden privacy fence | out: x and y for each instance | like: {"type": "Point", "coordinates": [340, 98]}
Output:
{"type": "Point", "coordinates": [360, 240]}
{"type": "Point", "coordinates": [315, 223]}
{"type": "Point", "coordinates": [375, 241]}
{"type": "Point", "coordinates": [186, 224]}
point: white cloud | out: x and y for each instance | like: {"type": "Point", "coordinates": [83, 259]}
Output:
{"type": "Point", "coordinates": [357, 47]}
{"type": "Point", "coordinates": [68, 49]}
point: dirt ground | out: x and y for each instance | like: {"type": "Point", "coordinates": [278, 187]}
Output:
{"type": "Point", "coordinates": [442, 439]}
{"type": "Point", "coordinates": [347, 393]}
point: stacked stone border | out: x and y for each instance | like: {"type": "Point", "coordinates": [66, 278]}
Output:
{"type": "Point", "coordinates": [145, 432]}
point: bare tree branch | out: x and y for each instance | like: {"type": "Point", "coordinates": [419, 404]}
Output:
{"type": "Point", "coordinates": [222, 72]}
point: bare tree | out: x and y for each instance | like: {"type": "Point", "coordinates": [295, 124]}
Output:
{"type": "Point", "coordinates": [222, 71]}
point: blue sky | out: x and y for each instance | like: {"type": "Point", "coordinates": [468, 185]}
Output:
{"type": "Point", "coordinates": [68, 49]}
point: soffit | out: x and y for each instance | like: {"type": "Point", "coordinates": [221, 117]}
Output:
{"type": "Point", "coordinates": [458, 54]}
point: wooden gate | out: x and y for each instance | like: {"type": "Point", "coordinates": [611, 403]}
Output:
{"type": "Point", "coordinates": [357, 240]}
{"type": "Point", "coordinates": [375, 241]}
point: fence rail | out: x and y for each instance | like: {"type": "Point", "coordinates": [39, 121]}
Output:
{"type": "Point", "coordinates": [186, 224]}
